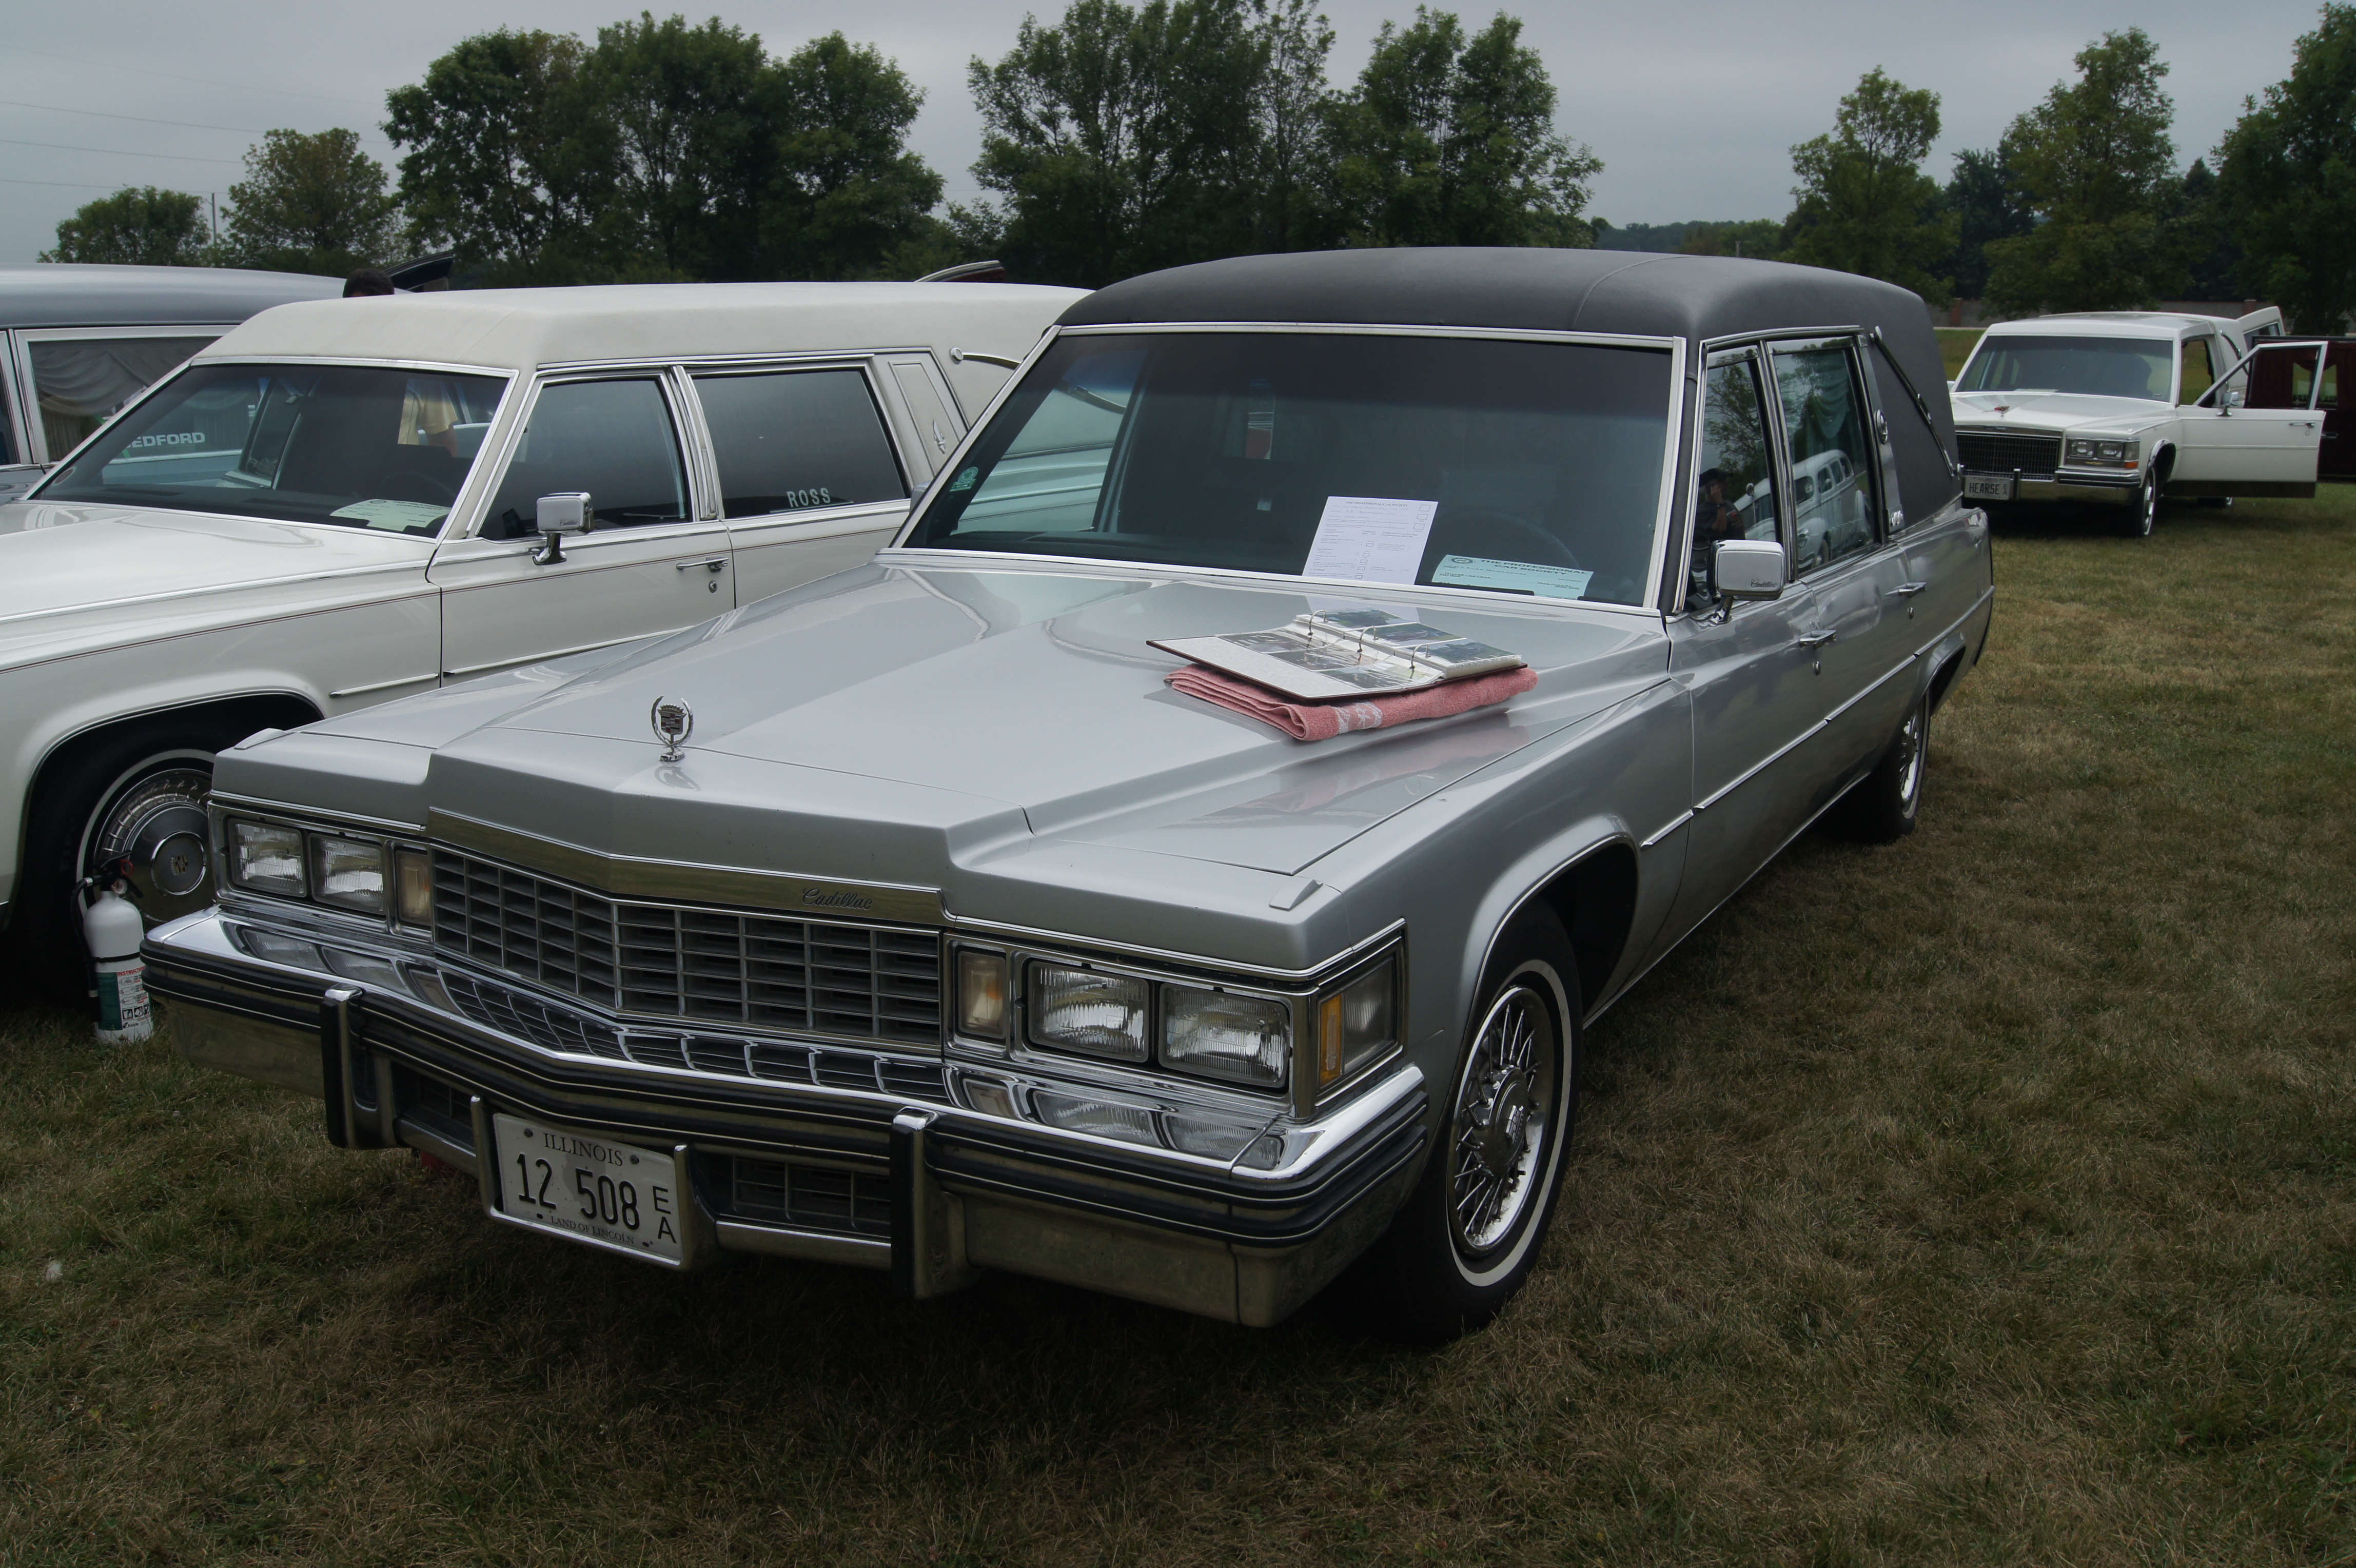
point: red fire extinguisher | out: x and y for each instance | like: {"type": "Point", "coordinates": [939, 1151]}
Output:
{"type": "Point", "coordinates": [112, 930]}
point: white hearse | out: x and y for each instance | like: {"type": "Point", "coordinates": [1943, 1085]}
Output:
{"type": "Point", "coordinates": [2118, 408]}
{"type": "Point", "coordinates": [338, 503]}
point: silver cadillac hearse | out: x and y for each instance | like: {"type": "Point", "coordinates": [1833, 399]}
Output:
{"type": "Point", "coordinates": [910, 919]}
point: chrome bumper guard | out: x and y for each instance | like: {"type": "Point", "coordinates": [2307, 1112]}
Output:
{"type": "Point", "coordinates": [934, 1191]}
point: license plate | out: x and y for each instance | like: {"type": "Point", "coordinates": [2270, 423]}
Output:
{"type": "Point", "coordinates": [587, 1188]}
{"type": "Point", "coordinates": [1988, 487]}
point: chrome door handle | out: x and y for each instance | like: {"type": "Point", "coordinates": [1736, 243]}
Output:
{"type": "Point", "coordinates": [1907, 590]}
{"type": "Point", "coordinates": [1814, 638]}
{"type": "Point", "coordinates": [715, 563]}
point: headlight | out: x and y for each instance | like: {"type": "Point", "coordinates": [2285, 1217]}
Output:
{"type": "Point", "coordinates": [1083, 1010]}
{"type": "Point", "coordinates": [266, 859]}
{"type": "Point", "coordinates": [347, 873]}
{"type": "Point", "coordinates": [981, 993]}
{"type": "Point", "coordinates": [1244, 1040]}
{"type": "Point", "coordinates": [2080, 449]}
{"type": "Point", "coordinates": [1356, 1023]}
{"type": "Point", "coordinates": [413, 884]}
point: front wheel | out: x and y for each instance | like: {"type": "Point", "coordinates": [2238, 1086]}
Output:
{"type": "Point", "coordinates": [1466, 1239]}
{"type": "Point", "coordinates": [2143, 514]}
{"type": "Point", "coordinates": [139, 797]}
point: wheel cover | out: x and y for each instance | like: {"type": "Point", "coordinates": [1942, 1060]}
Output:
{"type": "Point", "coordinates": [2146, 507]}
{"type": "Point", "coordinates": [1502, 1122]}
{"type": "Point", "coordinates": [1909, 759]}
{"type": "Point", "coordinates": [159, 824]}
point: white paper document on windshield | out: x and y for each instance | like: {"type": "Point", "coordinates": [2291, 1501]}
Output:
{"type": "Point", "coordinates": [1353, 653]}
{"type": "Point", "coordinates": [1370, 539]}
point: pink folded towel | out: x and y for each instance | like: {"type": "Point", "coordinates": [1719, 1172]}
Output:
{"type": "Point", "coordinates": [1323, 721]}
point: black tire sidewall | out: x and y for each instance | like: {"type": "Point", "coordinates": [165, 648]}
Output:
{"type": "Point", "coordinates": [46, 942]}
{"type": "Point", "coordinates": [1414, 1285]}
{"type": "Point", "coordinates": [2145, 518]}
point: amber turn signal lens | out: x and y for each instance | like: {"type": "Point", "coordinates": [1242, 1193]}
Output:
{"type": "Point", "coordinates": [1329, 1040]}
{"type": "Point", "coordinates": [981, 993]}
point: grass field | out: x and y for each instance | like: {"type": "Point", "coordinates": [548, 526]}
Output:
{"type": "Point", "coordinates": [1986, 1198]}
{"type": "Point", "coordinates": [1955, 343]}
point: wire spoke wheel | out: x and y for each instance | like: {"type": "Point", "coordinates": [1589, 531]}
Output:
{"type": "Point", "coordinates": [1909, 756]}
{"type": "Point", "coordinates": [1502, 1122]}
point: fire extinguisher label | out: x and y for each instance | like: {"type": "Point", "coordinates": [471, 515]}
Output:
{"type": "Point", "coordinates": [122, 998]}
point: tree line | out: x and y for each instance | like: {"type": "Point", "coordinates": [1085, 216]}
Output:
{"type": "Point", "coordinates": [1121, 138]}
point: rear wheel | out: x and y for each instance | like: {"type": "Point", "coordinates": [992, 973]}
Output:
{"type": "Point", "coordinates": [139, 796]}
{"type": "Point", "coordinates": [1466, 1239]}
{"type": "Point", "coordinates": [1882, 807]}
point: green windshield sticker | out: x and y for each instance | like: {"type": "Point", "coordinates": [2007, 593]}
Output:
{"type": "Point", "coordinates": [400, 517]}
{"type": "Point", "coordinates": [1514, 576]}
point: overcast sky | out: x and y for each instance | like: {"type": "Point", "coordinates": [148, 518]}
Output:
{"type": "Point", "coordinates": [1691, 105]}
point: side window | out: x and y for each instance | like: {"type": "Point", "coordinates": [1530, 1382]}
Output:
{"type": "Point", "coordinates": [79, 383]}
{"type": "Point", "coordinates": [612, 439]}
{"type": "Point", "coordinates": [792, 440]}
{"type": "Point", "coordinates": [1734, 488]}
{"type": "Point", "coordinates": [1831, 455]}
{"type": "Point", "coordinates": [2277, 376]}
{"type": "Point", "coordinates": [2200, 374]}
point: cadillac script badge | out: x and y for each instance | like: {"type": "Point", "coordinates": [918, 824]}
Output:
{"type": "Point", "coordinates": [673, 721]}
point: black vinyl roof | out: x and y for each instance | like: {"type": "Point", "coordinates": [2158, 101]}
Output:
{"type": "Point", "coordinates": [47, 294]}
{"type": "Point", "coordinates": [1633, 291]}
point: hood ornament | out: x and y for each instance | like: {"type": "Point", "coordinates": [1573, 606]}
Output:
{"type": "Point", "coordinates": [673, 721]}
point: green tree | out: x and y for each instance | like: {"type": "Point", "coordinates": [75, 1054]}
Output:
{"type": "Point", "coordinates": [1985, 199]}
{"type": "Point", "coordinates": [311, 203]}
{"type": "Point", "coordinates": [2286, 180]}
{"type": "Point", "coordinates": [1121, 140]}
{"type": "Point", "coordinates": [2214, 255]}
{"type": "Point", "coordinates": [847, 199]}
{"type": "Point", "coordinates": [663, 151]}
{"type": "Point", "coordinates": [1865, 205]}
{"type": "Point", "coordinates": [484, 178]}
{"type": "Point", "coordinates": [2099, 165]}
{"type": "Point", "coordinates": [137, 226]}
{"type": "Point", "coordinates": [1756, 239]}
{"type": "Point", "coordinates": [1450, 140]}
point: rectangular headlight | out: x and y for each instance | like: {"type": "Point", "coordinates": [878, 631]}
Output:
{"type": "Point", "coordinates": [412, 888]}
{"type": "Point", "coordinates": [266, 859]}
{"type": "Point", "coordinates": [347, 873]}
{"type": "Point", "coordinates": [1088, 1011]}
{"type": "Point", "coordinates": [1243, 1039]}
{"type": "Point", "coordinates": [2081, 451]}
{"type": "Point", "coordinates": [981, 993]}
{"type": "Point", "coordinates": [1357, 1023]}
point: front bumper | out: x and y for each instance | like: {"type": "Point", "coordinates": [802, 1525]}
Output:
{"type": "Point", "coordinates": [2031, 489]}
{"type": "Point", "coordinates": [913, 1174]}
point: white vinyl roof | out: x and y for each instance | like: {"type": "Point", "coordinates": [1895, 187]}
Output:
{"type": "Point", "coordinates": [525, 328]}
{"type": "Point", "coordinates": [2167, 326]}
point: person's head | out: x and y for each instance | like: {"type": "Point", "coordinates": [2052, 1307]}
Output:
{"type": "Point", "coordinates": [366, 281]}
{"type": "Point", "coordinates": [1713, 483]}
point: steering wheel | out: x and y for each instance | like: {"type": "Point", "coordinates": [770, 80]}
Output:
{"type": "Point", "coordinates": [409, 485]}
{"type": "Point", "coordinates": [1551, 551]}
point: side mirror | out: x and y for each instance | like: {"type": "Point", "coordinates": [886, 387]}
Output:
{"type": "Point", "coordinates": [1743, 569]}
{"type": "Point", "coordinates": [561, 514]}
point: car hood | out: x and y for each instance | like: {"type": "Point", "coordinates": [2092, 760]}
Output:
{"type": "Point", "coordinates": [2054, 411]}
{"type": "Point", "coordinates": [71, 576]}
{"type": "Point", "coordinates": [972, 707]}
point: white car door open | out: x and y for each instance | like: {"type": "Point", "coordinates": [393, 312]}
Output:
{"type": "Point", "coordinates": [649, 563]}
{"type": "Point", "coordinates": [2257, 431]}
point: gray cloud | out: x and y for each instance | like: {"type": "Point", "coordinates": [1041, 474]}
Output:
{"type": "Point", "coordinates": [1692, 106]}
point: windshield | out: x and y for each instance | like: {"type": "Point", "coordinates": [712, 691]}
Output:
{"type": "Point", "coordinates": [1528, 468]}
{"type": "Point", "coordinates": [2098, 367]}
{"type": "Point", "coordinates": [360, 447]}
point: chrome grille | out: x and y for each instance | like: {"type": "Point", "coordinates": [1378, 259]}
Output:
{"type": "Point", "coordinates": [2002, 452]}
{"type": "Point", "coordinates": [825, 977]}
{"type": "Point", "coordinates": [815, 1197]}
{"type": "Point", "coordinates": [773, 1061]}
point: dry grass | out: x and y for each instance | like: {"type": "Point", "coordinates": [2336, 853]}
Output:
{"type": "Point", "coordinates": [1981, 1199]}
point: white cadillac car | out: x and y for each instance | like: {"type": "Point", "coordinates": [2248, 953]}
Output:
{"type": "Point", "coordinates": [2120, 407]}
{"type": "Point", "coordinates": [337, 503]}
